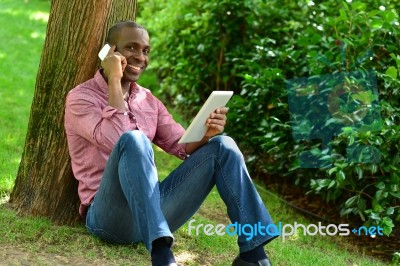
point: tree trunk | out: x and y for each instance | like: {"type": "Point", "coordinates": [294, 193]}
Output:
{"type": "Point", "coordinates": [76, 30]}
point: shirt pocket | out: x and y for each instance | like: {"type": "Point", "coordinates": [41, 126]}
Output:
{"type": "Point", "coordinates": [149, 121]}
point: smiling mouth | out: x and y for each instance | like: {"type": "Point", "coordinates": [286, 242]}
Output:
{"type": "Point", "coordinates": [134, 68]}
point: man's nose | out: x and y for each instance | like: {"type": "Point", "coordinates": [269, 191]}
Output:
{"type": "Point", "coordinates": [139, 55]}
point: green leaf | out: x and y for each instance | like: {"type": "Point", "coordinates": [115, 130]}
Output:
{"type": "Point", "coordinates": [374, 168]}
{"type": "Point", "coordinates": [387, 230]}
{"type": "Point", "coordinates": [392, 72]}
{"type": "Point", "coordinates": [381, 185]}
{"type": "Point", "coordinates": [351, 141]}
{"type": "Point", "coordinates": [347, 129]}
{"type": "Point", "coordinates": [377, 23]}
{"type": "Point", "coordinates": [375, 204]}
{"type": "Point", "coordinates": [324, 182]}
{"type": "Point", "coordinates": [373, 13]}
{"type": "Point", "coordinates": [387, 221]}
{"type": "Point", "coordinates": [390, 211]}
{"type": "Point", "coordinates": [396, 195]}
{"type": "Point", "coordinates": [343, 15]}
{"type": "Point", "coordinates": [340, 176]}
{"type": "Point", "coordinates": [389, 15]}
{"type": "Point", "coordinates": [394, 178]}
{"type": "Point", "coordinates": [332, 170]}
{"type": "Point", "coordinates": [387, 225]}
{"type": "Point", "coordinates": [366, 97]}
{"type": "Point", "coordinates": [350, 202]}
{"type": "Point", "coordinates": [332, 184]}
{"type": "Point", "coordinates": [248, 77]}
{"type": "Point", "coordinates": [396, 58]}
{"type": "Point", "coordinates": [359, 171]}
{"type": "Point", "coordinates": [374, 216]}
{"type": "Point", "coordinates": [361, 204]}
{"type": "Point", "coordinates": [361, 216]}
{"type": "Point", "coordinates": [358, 6]}
{"type": "Point", "coordinates": [346, 6]}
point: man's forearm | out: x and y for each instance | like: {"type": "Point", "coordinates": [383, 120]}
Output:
{"type": "Point", "coordinates": [115, 95]}
{"type": "Point", "coordinates": [193, 146]}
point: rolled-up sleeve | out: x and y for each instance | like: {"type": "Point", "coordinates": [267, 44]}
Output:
{"type": "Point", "coordinates": [101, 125]}
{"type": "Point", "coordinates": [168, 133]}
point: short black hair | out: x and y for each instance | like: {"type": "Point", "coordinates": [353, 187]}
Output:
{"type": "Point", "coordinates": [115, 29]}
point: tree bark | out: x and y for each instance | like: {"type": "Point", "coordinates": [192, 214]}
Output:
{"type": "Point", "coordinates": [76, 30]}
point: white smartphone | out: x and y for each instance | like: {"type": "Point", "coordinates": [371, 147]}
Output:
{"type": "Point", "coordinates": [197, 129]}
{"type": "Point", "coordinates": [104, 51]}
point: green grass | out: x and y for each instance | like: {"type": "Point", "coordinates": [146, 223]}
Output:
{"type": "Point", "coordinates": [23, 30]}
{"type": "Point", "coordinates": [22, 34]}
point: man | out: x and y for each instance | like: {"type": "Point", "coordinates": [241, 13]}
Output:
{"type": "Point", "coordinates": [110, 123]}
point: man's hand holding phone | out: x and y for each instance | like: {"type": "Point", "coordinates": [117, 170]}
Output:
{"type": "Point", "coordinates": [113, 62]}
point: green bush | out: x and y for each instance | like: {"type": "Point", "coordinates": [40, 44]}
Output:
{"type": "Point", "coordinates": [257, 49]}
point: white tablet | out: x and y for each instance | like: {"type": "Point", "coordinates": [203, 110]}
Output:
{"type": "Point", "coordinates": [197, 129]}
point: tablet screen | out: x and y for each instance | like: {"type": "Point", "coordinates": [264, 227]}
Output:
{"type": "Point", "coordinates": [197, 129]}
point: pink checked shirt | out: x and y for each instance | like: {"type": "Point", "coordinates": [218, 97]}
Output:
{"type": "Point", "coordinates": [93, 128]}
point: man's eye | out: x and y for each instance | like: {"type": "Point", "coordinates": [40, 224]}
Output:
{"type": "Point", "coordinates": [146, 52]}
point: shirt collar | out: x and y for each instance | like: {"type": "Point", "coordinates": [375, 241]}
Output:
{"type": "Point", "coordinates": [134, 87]}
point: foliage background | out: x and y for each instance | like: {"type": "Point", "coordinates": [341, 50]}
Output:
{"type": "Point", "coordinates": [255, 47]}
{"type": "Point", "coordinates": [37, 241]}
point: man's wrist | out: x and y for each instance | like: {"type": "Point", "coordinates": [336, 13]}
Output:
{"type": "Point", "coordinates": [114, 83]}
{"type": "Point", "coordinates": [205, 139]}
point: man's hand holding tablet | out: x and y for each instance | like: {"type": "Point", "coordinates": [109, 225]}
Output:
{"type": "Point", "coordinates": [210, 120]}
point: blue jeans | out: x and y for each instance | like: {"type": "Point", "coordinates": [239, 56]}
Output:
{"type": "Point", "coordinates": [133, 206]}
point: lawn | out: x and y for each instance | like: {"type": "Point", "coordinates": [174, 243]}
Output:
{"type": "Point", "coordinates": [23, 31]}
{"type": "Point", "coordinates": [22, 34]}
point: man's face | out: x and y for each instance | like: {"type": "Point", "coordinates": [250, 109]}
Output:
{"type": "Point", "coordinates": [134, 44]}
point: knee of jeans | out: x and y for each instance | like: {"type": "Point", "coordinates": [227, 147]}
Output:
{"type": "Point", "coordinates": [137, 139]}
{"type": "Point", "coordinates": [227, 144]}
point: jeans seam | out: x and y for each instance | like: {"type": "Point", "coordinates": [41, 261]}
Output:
{"type": "Point", "coordinates": [232, 194]}
{"type": "Point", "coordinates": [127, 179]}
{"type": "Point", "coordinates": [111, 237]}
{"type": "Point", "coordinates": [130, 187]}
